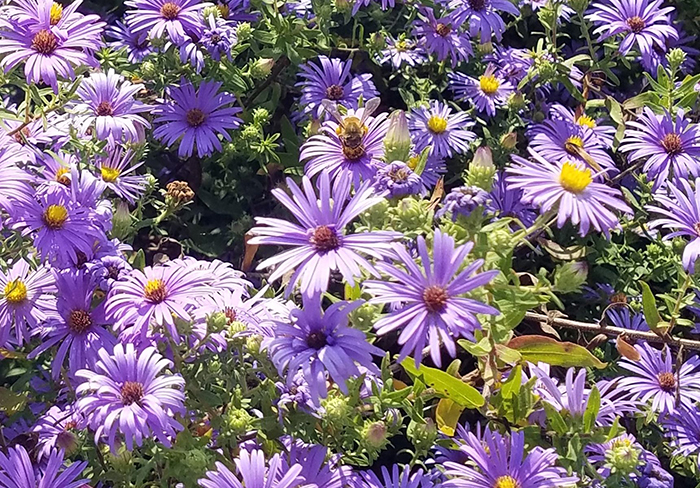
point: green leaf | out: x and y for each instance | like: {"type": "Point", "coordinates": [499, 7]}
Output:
{"type": "Point", "coordinates": [512, 385]}
{"type": "Point", "coordinates": [592, 409]}
{"type": "Point", "coordinates": [445, 385]}
{"type": "Point", "coordinates": [651, 313]}
{"type": "Point", "coordinates": [479, 349]}
{"type": "Point", "coordinates": [11, 402]}
{"type": "Point", "coordinates": [508, 355]}
{"type": "Point", "coordinates": [555, 419]}
{"type": "Point", "coordinates": [138, 260]}
{"type": "Point", "coordinates": [535, 348]}
{"type": "Point", "coordinates": [447, 415]}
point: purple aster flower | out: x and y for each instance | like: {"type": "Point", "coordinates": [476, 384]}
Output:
{"type": "Point", "coordinates": [319, 343]}
{"type": "Point", "coordinates": [502, 461]}
{"type": "Point", "coordinates": [463, 201]}
{"type": "Point", "coordinates": [295, 392]}
{"type": "Point", "coordinates": [107, 100]}
{"type": "Point", "coordinates": [108, 270]}
{"type": "Point", "coordinates": [358, 4]}
{"type": "Point", "coordinates": [190, 53]}
{"type": "Point", "coordinates": [327, 151]}
{"type": "Point", "coordinates": [196, 117]}
{"type": "Point", "coordinates": [625, 445]}
{"type": "Point", "coordinates": [254, 472]}
{"type": "Point", "coordinates": [622, 317]}
{"type": "Point", "coordinates": [671, 146]}
{"type": "Point", "coordinates": [331, 80]}
{"type": "Point", "coordinates": [683, 430]}
{"type": "Point", "coordinates": [558, 140]}
{"type": "Point", "coordinates": [14, 183]}
{"type": "Point", "coordinates": [127, 395]}
{"type": "Point", "coordinates": [640, 21]}
{"type": "Point", "coordinates": [397, 478]}
{"type": "Point", "coordinates": [136, 44]}
{"type": "Point", "coordinates": [319, 243]}
{"type": "Point", "coordinates": [655, 379]}
{"type": "Point", "coordinates": [55, 430]}
{"type": "Point", "coordinates": [605, 134]}
{"type": "Point", "coordinates": [401, 51]}
{"type": "Point", "coordinates": [62, 227]}
{"type": "Point", "coordinates": [652, 474]}
{"type": "Point", "coordinates": [398, 180]}
{"type": "Point", "coordinates": [116, 171]}
{"type": "Point", "coordinates": [513, 63]}
{"type": "Point", "coordinates": [49, 51]}
{"type": "Point", "coordinates": [80, 328]}
{"type": "Point", "coordinates": [218, 38]}
{"type": "Point", "coordinates": [180, 18]}
{"type": "Point", "coordinates": [445, 132]}
{"type": "Point", "coordinates": [35, 13]}
{"type": "Point", "coordinates": [491, 90]}
{"type": "Point", "coordinates": [483, 16]}
{"type": "Point", "coordinates": [432, 309]}
{"type": "Point", "coordinates": [320, 466]}
{"type": "Point", "coordinates": [680, 212]}
{"type": "Point", "coordinates": [25, 300]}
{"type": "Point", "coordinates": [154, 297]}
{"type": "Point", "coordinates": [685, 43]}
{"type": "Point", "coordinates": [222, 275]}
{"type": "Point", "coordinates": [236, 10]}
{"type": "Point", "coordinates": [569, 190]}
{"type": "Point", "coordinates": [506, 201]}
{"type": "Point", "coordinates": [17, 471]}
{"type": "Point", "coordinates": [442, 37]}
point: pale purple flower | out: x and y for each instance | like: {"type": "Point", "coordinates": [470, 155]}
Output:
{"type": "Point", "coordinates": [483, 16]}
{"type": "Point", "coordinates": [442, 37]}
{"type": "Point", "coordinates": [487, 93]}
{"type": "Point", "coordinates": [116, 170]}
{"type": "Point", "coordinates": [179, 18]}
{"type": "Point", "coordinates": [441, 129]}
{"type": "Point", "coordinates": [398, 180]}
{"type": "Point", "coordinates": [254, 472]}
{"type": "Point", "coordinates": [17, 471]}
{"type": "Point", "coordinates": [136, 44]}
{"type": "Point", "coordinates": [402, 51]}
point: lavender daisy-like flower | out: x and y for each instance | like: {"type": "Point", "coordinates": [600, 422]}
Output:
{"type": "Point", "coordinates": [62, 227]}
{"type": "Point", "coordinates": [17, 471]}
{"type": "Point", "coordinates": [236, 10]}
{"type": "Point", "coordinates": [358, 159]}
{"type": "Point", "coordinates": [55, 430]}
{"type": "Point", "coordinates": [501, 461]}
{"type": "Point", "coordinates": [179, 18]}
{"type": "Point", "coordinates": [463, 200]}
{"type": "Point", "coordinates": [108, 270]}
{"type": "Point", "coordinates": [319, 343]}
{"type": "Point", "coordinates": [49, 52]}
{"type": "Point", "coordinates": [683, 430]}
{"type": "Point", "coordinates": [641, 22]}
{"type": "Point", "coordinates": [386, 4]}
{"type": "Point", "coordinates": [569, 189]}
{"type": "Point", "coordinates": [398, 180]}
{"type": "Point", "coordinates": [136, 43]}
{"type": "Point", "coordinates": [108, 102]}
{"type": "Point", "coordinates": [254, 472]}
{"type": "Point", "coordinates": [401, 51]}
{"type": "Point", "coordinates": [80, 328]}
{"type": "Point", "coordinates": [128, 395]}
{"type": "Point", "coordinates": [222, 275]}
{"type": "Point", "coordinates": [491, 90]}
{"type": "Point", "coordinates": [157, 294]}
{"type": "Point", "coordinates": [26, 299]}
{"type": "Point", "coordinates": [442, 37]}
{"type": "Point", "coordinates": [331, 80]}
{"type": "Point", "coordinates": [671, 144]}
{"type": "Point", "coordinates": [508, 202]}
{"type": "Point", "coordinates": [195, 117]}
{"type": "Point", "coordinates": [319, 243]}
{"type": "Point", "coordinates": [680, 212]}
{"type": "Point", "coordinates": [655, 379]}
{"type": "Point", "coordinates": [14, 183]}
{"type": "Point", "coordinates": [320, 465]}
{"type": "Point", "coordinates": [558, 140]}
{"type": "Point", "coordinates": [116, 170]}
{"type": "Point", "coordinates": [431, 308]}
{"type": "Point", "coordinates": [397, 478]}
{"type": "Point", "coordinates": [622, 317]}
{"type": "Point", "coordinates": [483, 16]}
{"type": "Point", "coordinates": [605, 134]}
{"type": "Point", "coordinates": [218, 38]}
{"type": "Point", "coordinates": [441, 129]}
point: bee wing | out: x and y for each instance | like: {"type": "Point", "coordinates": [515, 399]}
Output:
{"type": "Point", "coordinates": [332, 109]}
{"type": "Point", "coordinates": [370, 107]}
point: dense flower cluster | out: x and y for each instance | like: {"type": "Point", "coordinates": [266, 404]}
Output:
{"type": "Point", "coordinates": [305, 244]}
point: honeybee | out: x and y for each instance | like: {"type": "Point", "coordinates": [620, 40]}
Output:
{"type": "Point", "coordinates": [351, 130]}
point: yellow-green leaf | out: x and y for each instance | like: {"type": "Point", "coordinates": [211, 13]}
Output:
{"type": "Point", "coordinates": [651, 313]}
{"type": "Point", "coordinates": [512, 385]}
{"type": "Point", "coordinates": [447, 415]}
{"type": "Point", "coordinates": [536, 348]}
{"type": "Point", "coordinates": [445, 385]}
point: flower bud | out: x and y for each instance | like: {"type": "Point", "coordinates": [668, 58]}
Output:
{"type": "Point", "coordinates": [237, 421]}
{"type": "Point", "coordinates": [570, 276]}
{"type": "Point", "coordinates": [261, 116]}
{"type": "Point", "coordinates": [336, 409]}
{"type": "Point", "coordinates": [262, 68]}
{"type": "Point", "coordinates": [253, 343]}
{"type": "Point", "coordinates": [374, 434]}
{"type": "Point", "coordinates": [509, 140]}
{"type": "Point", "coordinates": [675, 57]}
{"type": "Point", "coordinates": [178, 193]}
{"type": "Point", "coordinates": [211, 10]}
{"type": "Point", "coordinates": [148, 70]}
{"type": "Point", "coordinates": [623, 455]}
{"type": "Point", "coordinates": [343, 6]}
{"type": "Point", "coordinates": [485, 48]}
{"type": "Point", "coordinates": [482, 169]}
{"type": "Point", "coordinates": [216, 322]}
{"type": "Point", "coordinates": [67, 440]}
{"type": "Point", "coordinates": [243, 31]}
{"type": "Point", "coordinates": [397, 143]}
{"type": "Point", "coordinates": [517, 101]}
{"type": "Point", "coordinates": [121, 220]}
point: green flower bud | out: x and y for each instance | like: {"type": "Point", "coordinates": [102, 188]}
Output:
{"type": "Point", "coordinates": [623, 456]}
{"type": "Point", "coordinates": [217, 322]}
{"type": "Point", "coordinates": [516, 101]}
{"type": "Point", "coordinates": [262, 68]}
{"type": "Point", "coordinates": [485, 48]}
{"type": "Point", "coordinates": [250, 133]}
{"type": "Point", "coordinates": [210, 11]}
{"type": "Point", "coordinates": [481, 169]}
{"type": "Point", "coordinates": [500, 239]}
{"type": "Point", "coordinates": [423, 435]}
{"type": "Point", "coordinates": [675, 57]}
{"type": "Point", "coordinates": [336, 409]}
{"type": "Point", "coordinates": [252, 344]}
{"type": "Point", "coordinates": [237, 421]}
{"type": "Point", "coordinates": [148, 70]}
{"type": "Point", "coordinates": [397, 143]}
{"type": "Point", "coordinates": [374, 434]}
{"type": "Point", "coordinates": [193, 460]}
{"type": "Point", "coordinates": [364, 316]}
{"type": "Point", "coordinates": [243, 31]}
{"type": "Point", "coordinates": [569, 277]}
{"type": "Point", "coordinates": [377, 41]}
{"type": "Point", "coordinates": [261, 116]}
{"type": "Point", "coordinates": [67, 440]}
{"type": "Point", "coordinates": [509, 140]}
{"type": "Point", "coordinates": [580, 6]}
{"type": "Point", "coordinates": [121, 220]}
{"type": "Point", "coordinates": [214, 366]}
{"type": "Point", "coordinates": [343, 6]}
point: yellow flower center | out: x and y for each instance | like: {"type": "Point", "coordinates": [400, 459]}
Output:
{"type": "Point", "coordinates": [573, 179]}
{"type": "Point", "coordinates": [55, 216]}
{"type": "Point", "coordinates": [413, 162]}
{"type": "Point", "coordinates": [489, 84]}
{"type": "Point", "coordinates": [572, 144]}
{"type": "Point", "coordinates": [437, 124]}
{"type": "Point", "coordinates": [155, 291]}
{"type": "Point", "coordinates": [624, 442]}
{"type": "Point", "coordinates": [15, 291]}
{"type": "Point", "coordinates": [401, 45]}
{"type": "Point", "coordinates": [56, 13]}
{"type": "Point", "coordinates": [506, 482]}
{"type": "Point", "coordinates": [109, 174]}
{"type": "Point", "coordinates": [586, 121]}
